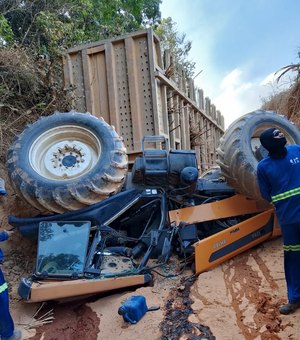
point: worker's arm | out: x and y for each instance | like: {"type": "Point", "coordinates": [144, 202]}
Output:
{"type": "Point", "coordinates": [4, 235]}
{"type": "Point", "coordinates": [264, 184]}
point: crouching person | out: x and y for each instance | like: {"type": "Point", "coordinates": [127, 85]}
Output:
{"type": "Point", "coordinates": [7, 331]}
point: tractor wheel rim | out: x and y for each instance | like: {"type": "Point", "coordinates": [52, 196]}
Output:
{"type": "Point", "coordinates": [255, 141]}
{"type": "Point", "coordinates": [65, 152]}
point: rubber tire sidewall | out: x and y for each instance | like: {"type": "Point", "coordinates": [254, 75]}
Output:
{"type": "Point", "coordinates": [20, 169]}
{"type": "Point", "coordinates": [235, 155]}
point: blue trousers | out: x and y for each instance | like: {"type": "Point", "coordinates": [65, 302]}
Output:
{"type": "Point", "coordinates": [6, 321]}
{"type": "Point", "coordinates": [291, 247]}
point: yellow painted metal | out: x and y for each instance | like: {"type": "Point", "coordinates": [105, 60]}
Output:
{"type": "Point", "coordinates": [55, 290]}
{"type": "Point", "coordinates": [236, 205]}
{"type": "Point", "coordinates": [226, 244]}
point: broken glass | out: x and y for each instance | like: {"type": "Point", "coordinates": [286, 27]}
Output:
{"type": "Point", "coordinates": [62, 249]}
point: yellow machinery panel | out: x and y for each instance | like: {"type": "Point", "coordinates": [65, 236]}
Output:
{"type": "Point", "coordinates": [226, 244]}
{"type": "Point", "coordinates": [233, 206]}
{"type": "Point", "coordinates": [56, 290]}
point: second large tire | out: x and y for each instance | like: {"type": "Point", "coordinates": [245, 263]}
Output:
{"type": "Point", "coordinates": [67, 161]}
{"type": "Point", "coordinates": [239, 149]}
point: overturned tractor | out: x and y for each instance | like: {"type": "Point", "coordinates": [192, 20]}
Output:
{"type": "Point", "coordinates": [101, 224]}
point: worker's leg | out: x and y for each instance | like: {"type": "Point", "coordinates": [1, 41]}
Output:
{"type": "Point", "coordinates": [291, 240]}
{"type": "Point", "coordinates": [6, 321]}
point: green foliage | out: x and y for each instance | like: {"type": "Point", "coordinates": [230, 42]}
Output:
{"type": "Point", "coordinates": [35, 33]}
{"type": "Point", "coordinates": [48, 26]}
{"type": "Point", "coordinates": [6, 34]}
{"type": "Point", "coordinates": [176, 43]}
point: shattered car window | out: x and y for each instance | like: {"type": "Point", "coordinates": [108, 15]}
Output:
{"type": "Point", "coordinates": [62, 248]}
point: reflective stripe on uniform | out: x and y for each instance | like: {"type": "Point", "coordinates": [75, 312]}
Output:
{"type": "Point", "coordinates": [296, 247]}
{"type": "Point", "coordinates": [3, 287]}
{"type": "Point", "coordinates": [285, 195]}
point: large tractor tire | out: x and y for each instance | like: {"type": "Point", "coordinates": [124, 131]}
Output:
{"type": "Point", "coordinates": [67, 161]}
{"type": "Point", "coordinates": [240, 150]}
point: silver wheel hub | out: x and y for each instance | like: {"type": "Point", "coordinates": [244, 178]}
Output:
{"type": "Point", "coordinates": [68, 159]}
{"type": "Point", "coordinates": [65, 152]}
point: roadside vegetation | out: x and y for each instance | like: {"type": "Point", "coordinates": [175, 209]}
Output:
{"type": "Point", "coordinates": [34, 34]}
{"type": "Point", "coordinates": [287, 102]}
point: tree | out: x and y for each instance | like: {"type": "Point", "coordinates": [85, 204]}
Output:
{"type": "Point", "coordinates": [176, 43]}
{"type": "Point", "coordinates": [48, 26]}
{"type": "Point", "coordinates": [34, 34]}
{"type": "Point", "coordinates": [287, 102]}
{"type": "Point", "coordinates": [6, 34]}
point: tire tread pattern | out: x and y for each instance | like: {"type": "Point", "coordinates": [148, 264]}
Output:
{"type": "Point", "coordinates": [68, 195]}
{"type": "Point", "coordinates": [236, 159]}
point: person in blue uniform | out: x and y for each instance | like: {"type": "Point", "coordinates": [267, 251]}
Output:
{"type": "Point", "coordinates": [7, 331]}
{"type": "Point", "coordinates": [278, 177]}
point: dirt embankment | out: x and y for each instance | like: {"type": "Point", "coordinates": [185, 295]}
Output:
{"type": "Point", "coordinates": [236, 300]}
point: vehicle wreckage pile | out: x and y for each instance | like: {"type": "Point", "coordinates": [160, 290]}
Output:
{"type": "Point", "coordinates": [100, 224]}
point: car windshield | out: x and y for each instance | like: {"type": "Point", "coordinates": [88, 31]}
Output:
{"type": "Point", "coordinates": [62, 248]}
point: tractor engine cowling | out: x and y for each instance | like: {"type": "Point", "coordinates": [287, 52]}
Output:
{"type": "Point", "coordinates": [167, 169]}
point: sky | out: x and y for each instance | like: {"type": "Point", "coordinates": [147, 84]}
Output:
{"type": "Point", "coordinates": [237, 46]}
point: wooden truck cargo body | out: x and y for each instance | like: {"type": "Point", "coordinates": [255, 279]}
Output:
{"type": "Point", "coordinates": [128, 82]}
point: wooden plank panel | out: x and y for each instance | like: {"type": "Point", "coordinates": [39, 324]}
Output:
{"type": "Point", "coordinates": [153, 83]}
{"type": "Point", "coordinates": [177, 121]}
{"type": "Point", "coordinates": [183, 126]}
{"type": "Point", "coordinates": [135, 107]}
{"type": "Point", "coordinates": [86, 81]}
{"type": "Point", "coordinates": [171, 115]}
{"type": "Point", "coordinates": [78, 81]}
{"type": "Point", "coordinates": [111, 86]}
{"type": "Point", "coordinates": [162, 109]}
{"type": "Point", "coordinates": [98, 85]}
{"type": "Point", "coordinates": [145, 86]}
{"type": "Point", "coordinates": [172, 86]}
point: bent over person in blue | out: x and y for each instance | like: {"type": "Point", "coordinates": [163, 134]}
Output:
{"type": "Point", "coordinates": [7, 331]}
{"type": "Point", "coordinates": [279, 181]}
